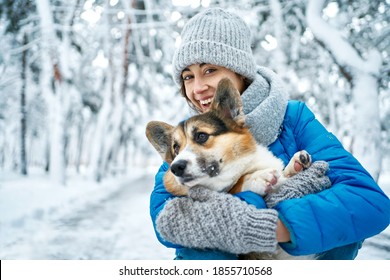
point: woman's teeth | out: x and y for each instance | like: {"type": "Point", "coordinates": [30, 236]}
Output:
{"type": "Point", "coordinates": [206, 102]}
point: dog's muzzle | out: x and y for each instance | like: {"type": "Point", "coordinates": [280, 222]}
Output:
{"type": "Point", "coordinates": [180, 170]}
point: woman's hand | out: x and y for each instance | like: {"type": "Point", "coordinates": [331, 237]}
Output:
{"type": "Point", "coordinates": [211, 220]}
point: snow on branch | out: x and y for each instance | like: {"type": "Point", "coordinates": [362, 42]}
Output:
{"type": "Point", "coordinates": [341, 49]}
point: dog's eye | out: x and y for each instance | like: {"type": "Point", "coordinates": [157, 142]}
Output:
{"type": "Point", "coordinates": [201, 137]}
{"type": "Point", "coordinates": [176, 148]}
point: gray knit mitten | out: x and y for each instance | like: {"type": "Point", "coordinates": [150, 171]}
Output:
{"type": "Point", "coordinates": [311, 180]}
{"type": "Point", "coordinates": [211, 220]}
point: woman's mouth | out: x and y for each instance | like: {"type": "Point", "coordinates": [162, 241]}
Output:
{"type": "Point", "coordinates": [206, 101]}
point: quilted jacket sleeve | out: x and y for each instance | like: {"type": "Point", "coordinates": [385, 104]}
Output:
{"type": "Point", "coordinates": [353, 209]}
{"type": "Point", "coordinates": [157, 201]}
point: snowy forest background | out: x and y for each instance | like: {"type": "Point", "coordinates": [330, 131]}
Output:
{"type": "Point", "coordinates": [79, 79]}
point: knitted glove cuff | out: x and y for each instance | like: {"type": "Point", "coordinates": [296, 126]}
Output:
{"type": "Point", "coordinates": [259, 231]}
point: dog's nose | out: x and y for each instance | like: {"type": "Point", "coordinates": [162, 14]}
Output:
{"type": "Point", "coordinates": [178, 168]}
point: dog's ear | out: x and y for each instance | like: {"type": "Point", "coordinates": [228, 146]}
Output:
{"type": "Point", "coordinates": [227, 101]}
{"type": "Point", "coordinates": [159, 135]}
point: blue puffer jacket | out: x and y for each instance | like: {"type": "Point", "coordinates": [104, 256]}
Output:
{"type": "Point", "coordinates": [332, 223]}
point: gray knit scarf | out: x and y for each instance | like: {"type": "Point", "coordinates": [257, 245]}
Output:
{"type": "Point", "coordinates": [265, 103]}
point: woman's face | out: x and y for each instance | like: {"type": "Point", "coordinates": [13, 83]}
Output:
{"type": "Point", "coordinates": [201, 80]}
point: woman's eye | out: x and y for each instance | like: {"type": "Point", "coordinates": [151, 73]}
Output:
{"type": "Point", "coordinates": [210, 70]}
{"type": "Point", "coordinates": [201, 137]}
{"type": "Point", "coordinates": [186, 77]}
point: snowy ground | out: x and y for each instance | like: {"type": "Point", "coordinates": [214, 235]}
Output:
{"type": "Point", "coordinates": [83, 220]}
{"type": "Point", "coordinates": [80, 221]}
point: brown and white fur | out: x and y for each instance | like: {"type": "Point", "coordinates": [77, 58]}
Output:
{"type": "Point", "coordinates": [216, 150]}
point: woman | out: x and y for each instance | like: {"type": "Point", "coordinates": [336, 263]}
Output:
{"type": "Point", "coordinates": [306, 217]}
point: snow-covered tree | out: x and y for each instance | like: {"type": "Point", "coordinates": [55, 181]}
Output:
{"type": "Point", "coordinates": [363, 74]}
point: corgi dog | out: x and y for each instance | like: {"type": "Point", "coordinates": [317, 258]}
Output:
{"type": "Point", "coordinates": [217, 151]}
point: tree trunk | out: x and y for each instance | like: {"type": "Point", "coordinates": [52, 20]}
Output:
{"type": "Point", "coordinates": [279, 56]}
{"type": "Point", "coordinates": [101, 131]}
{"type": "Point", "coordinates": [51, 82]}
{"type": "Point", "coordinates": [23, 110]}
{"type": "Point", "coordinates": [111, 114]}
{"type": "Point", "coordinates": [362, 76]}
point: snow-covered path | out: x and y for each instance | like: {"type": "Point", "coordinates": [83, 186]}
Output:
{"type": "Point", "coordinates": [116, 226]}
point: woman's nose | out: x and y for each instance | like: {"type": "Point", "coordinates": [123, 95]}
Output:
{"type": "Point", "coordinates": [199, 86]}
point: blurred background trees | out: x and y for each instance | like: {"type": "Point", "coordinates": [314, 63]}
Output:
{"type": "Point", "coordinates": [79, 79]}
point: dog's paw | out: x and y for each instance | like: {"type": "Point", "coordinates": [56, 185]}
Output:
{"type": "Point", "coordinates": [262, 182]}
{"type": "Point", "coordinates": [300, 161]}
{"type": "Point", "coordinates": [271, 178]}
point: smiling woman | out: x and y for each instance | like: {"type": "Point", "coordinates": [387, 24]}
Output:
{"type": "Point", "coordinates": [215, 45]}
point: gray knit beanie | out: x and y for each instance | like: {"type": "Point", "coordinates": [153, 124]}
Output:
{"type": "Point", "coordinates": [217, 37]}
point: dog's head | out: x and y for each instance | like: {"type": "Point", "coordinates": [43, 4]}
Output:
{"type": "Point", "coordinates": [204, 149]}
